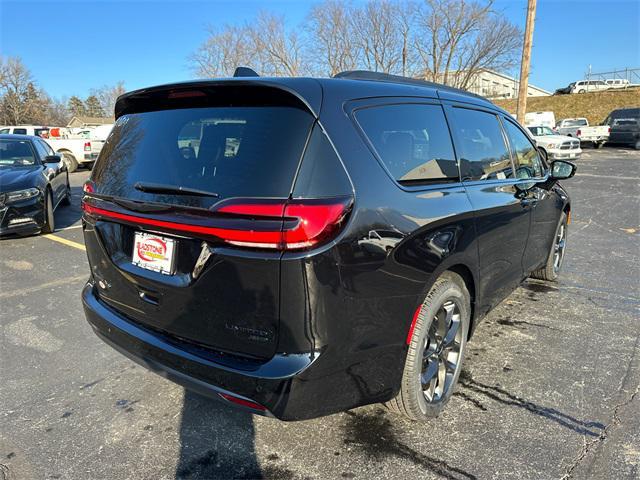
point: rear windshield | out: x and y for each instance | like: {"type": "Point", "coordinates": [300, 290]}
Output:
{"type": "Point", "coordinates": [231, 151]}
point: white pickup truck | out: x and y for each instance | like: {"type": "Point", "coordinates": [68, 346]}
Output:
{"type": "Point", "coordinates": [579, 128]}
{"type": "Point", "coordinates": [557, 147]}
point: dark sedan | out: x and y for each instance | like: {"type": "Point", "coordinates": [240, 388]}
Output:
{"type": "Point", "coordinates": [33, 182]}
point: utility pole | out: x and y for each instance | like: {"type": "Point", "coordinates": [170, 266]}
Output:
{"type": "Point", "coordinates": [526, 61]}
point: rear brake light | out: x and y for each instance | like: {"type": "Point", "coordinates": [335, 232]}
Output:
{"type": "Point", "coordinates": [187, 94]}
{"type": "Point", "coordinates": [87, 146]}
{"type": "Point", "coordinates": [243, 402]}
{"type": "Point", "coordinates": [578, 133]}
{"type": "Point", "coordinates": [300, 224]}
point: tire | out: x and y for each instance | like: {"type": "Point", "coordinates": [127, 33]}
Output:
{"type": "Point", "coordinates": [637, 144]}
{"type": "Point", "coordinates": [444, 314]}
{"type": "Point", "coordinates": [70, 161]}
{"type": "Point", "coordinates": [598, 145]}
{"type": "Point", "coordinates": [66, 201]}
{"type": "Point", "coordinates": [582, 91]}
{"type": "Point", "coordinates": [551, 269]}
{"type": "Point", "coordinates": [49, 220]}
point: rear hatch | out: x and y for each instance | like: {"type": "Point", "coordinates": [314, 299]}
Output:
{"type": "Point", "coordinates": [189, 209]}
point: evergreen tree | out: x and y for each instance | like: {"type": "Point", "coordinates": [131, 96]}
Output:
{"type": "Point", "coordinates": [76, 107]}
{"type": "Point", "coordinates": [93, 107]}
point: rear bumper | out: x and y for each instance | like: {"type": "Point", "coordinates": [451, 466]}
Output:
{"type": "Point", "coordinates": [277, 384]}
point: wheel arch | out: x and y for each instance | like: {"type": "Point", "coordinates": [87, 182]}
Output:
{"type": "Point", "coordinates": [467, 276]}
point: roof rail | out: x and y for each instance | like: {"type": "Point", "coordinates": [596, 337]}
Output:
{"type": "Point", "coordinates": [245, 72]}
{"type": "Point", "coordinates": [387, 77]}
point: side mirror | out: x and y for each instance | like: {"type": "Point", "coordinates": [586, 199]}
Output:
{"type": "Point", "coordinates": [561, 170]}
{"type": "Point", "coordinates": [52, 159]}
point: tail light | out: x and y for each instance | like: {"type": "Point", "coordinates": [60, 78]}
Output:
{"type": "Point", "coordinates": [243, 402]}
{"type": "Point", "coordinates": [276, 225]}
{"type": "Point", "coordinates": [87, 146]}
{"type": "Point", "coordinates": [609, 130]}
{"type": "Point", "coordinates": [578, 133]}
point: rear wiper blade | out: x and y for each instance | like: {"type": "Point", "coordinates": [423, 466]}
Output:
{"type": "Point", "coordinates": [172, 189]}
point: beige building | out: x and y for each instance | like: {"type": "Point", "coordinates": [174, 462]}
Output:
{"type": "Point", "coordinates": [494, 85]}
{"type": "Point", "coordinates": [83, 122]}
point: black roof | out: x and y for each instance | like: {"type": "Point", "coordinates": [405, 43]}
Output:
{"type": "Point", "coordinates": [348, 85]}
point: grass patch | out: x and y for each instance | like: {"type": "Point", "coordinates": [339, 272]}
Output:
{"type": "Point", "coordinates": [593, 106]}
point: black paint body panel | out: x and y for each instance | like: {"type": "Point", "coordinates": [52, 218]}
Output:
{"type": "Point", "coordinates": [336, 317]}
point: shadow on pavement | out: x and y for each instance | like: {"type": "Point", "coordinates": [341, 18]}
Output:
{"type": "Point", "coordinates": [215, 441]}
{"type": "Point", "coordinates": [500, 395]}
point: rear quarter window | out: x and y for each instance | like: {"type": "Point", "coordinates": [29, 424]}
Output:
{"type": "Point", "coordinates": [411, 140]}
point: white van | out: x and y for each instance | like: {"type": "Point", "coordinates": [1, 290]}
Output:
{"type": "Point", "coordinates": [545, 119]}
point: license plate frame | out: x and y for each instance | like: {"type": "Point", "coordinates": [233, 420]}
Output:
{"type": "Point", "coordinates": [153, 252]}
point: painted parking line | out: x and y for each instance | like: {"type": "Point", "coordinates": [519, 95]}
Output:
{"type": "Point", "coordinates": [69, 243]}
{"type": "Point", "coordinates": [72, 227]}
{"type": "Point", "coordinates": [44, 286]}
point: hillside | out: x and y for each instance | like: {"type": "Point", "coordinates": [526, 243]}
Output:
{"type": "Point", "coordinates": [594, 106]}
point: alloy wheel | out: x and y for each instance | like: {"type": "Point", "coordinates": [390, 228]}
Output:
{"type": "Point", "coordinates": [441, 353]}
{"type": "Point", "coordinates": [558, 248]}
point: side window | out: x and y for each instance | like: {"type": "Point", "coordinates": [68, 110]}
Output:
{"type": "Point", "coordinates": [525, 154]}
{"type": "Point", "coordinates": [481, 147]}
{"type": "Point", "coordinates": [19, 131]}
{"type": "Point", "coordinates": [41, 149]}
{"type": "Point", "coordinates": [412, 140]}
{"type": "Point", "coordinates": [48, 148]}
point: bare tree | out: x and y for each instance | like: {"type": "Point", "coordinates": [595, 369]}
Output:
{"type": "Point", "coordinates": [224, 50]}
{"type": "Point", "coordinates": [279, 51]}
{"type": "Point", "coordinates": [16, 89]}
{"type": "Point", "coordinates": [107, 96]}
{"type": "Point", "coordinates": [332, 42]}
{"type": "Point", "coordinates": [379, 36]}
{"type": "Point", "coordinates": [456, 39]}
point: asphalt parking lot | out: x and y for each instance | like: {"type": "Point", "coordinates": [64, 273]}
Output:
{"type": "Point", "coordinates": [549, 390]}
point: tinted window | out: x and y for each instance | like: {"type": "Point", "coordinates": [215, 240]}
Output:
{"type": "Point", "coordinates": [19, 131]}
{"type": "Point", "coordinates": [16, 153]}
{"type": "Point", "coordinates": [41, 149]}
{"type": "Point", "coordinates": [525, 154]}
{"type": "Point", "coordinates": [48, 148]}
{"type": "Point", "coordinates": [412, 140]}
{"type": "Point", "coordinates": [321, 173]}
{"type": "Point", "coordinates": [232, 151]}
{"type": "Point", "coordinates": [482, 150]}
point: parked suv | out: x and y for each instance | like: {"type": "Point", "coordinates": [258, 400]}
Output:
{"type": "Point", "coordinates": [298, 247]}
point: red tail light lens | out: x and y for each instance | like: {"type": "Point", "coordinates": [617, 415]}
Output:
{"type": "Point", "coordinates": [87, 146]}
{"type": "Point", "coordinates": [301, 224]}
{"type": "Point", "coordinates": [242, 402]}
{"type": "Point", "coordinates": [578, 133]}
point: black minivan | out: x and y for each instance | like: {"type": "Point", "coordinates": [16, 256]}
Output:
{"type": "Point", "coordinates": [298, 247]}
